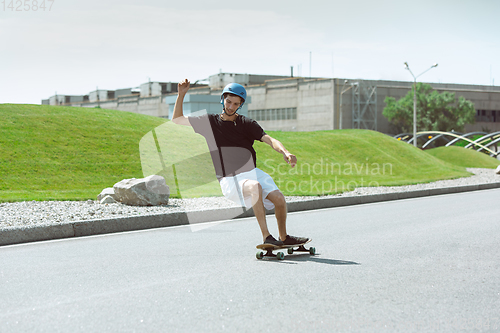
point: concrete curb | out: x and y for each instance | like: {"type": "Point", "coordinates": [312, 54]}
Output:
{"type": "Point", "coordinates": [14, 235]}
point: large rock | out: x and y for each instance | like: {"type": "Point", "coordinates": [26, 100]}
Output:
{"type": "Point", "coordinates": [149, 191]}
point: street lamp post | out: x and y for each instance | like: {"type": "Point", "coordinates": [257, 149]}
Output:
{"type": "Point", "coordinates": [415, 99]}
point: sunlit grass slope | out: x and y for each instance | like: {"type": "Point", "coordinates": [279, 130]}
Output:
{"type": "Point", "coordinates": [468, 158]}
{"type": "Point", "coordinates": [69, 153]}
{"type": "Point", "coordinates": [336, 161]}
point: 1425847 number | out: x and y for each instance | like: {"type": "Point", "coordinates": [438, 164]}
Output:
{"type": "Point", "coordinates": [26, 5]}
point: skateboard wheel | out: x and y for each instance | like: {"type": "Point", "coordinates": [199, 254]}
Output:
{"type": "Point", "coordinates": [280, 256]}
{"type": "Point", "coordinates": [260, 255]}
{"type": "Point", "coordinates": [290, 250]}
{"type": "Point", "coordinates": [312, 250]}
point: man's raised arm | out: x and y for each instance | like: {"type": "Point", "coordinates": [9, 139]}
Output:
{"type": "Point", "coordinates": [178, 116]}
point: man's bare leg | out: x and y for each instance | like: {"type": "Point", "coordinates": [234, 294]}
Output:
{"type": "Point", "coordinates": [280, 211]}
{"type": "Point", "coordinates": [254, 189]}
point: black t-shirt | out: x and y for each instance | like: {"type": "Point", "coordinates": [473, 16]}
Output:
{"type": "Point", "coordinates": [230, 143]}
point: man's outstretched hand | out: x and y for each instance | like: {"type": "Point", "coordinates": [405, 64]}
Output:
{"type": "Point", "coordinates": [290, 159]}
{"type": "Point", "coordinates": [183, 87]}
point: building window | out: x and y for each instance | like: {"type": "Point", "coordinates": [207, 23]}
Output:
{"type": "Point", "coordinates": [488, 116]}
{"type": "Point", "coordinates": [273, 114]}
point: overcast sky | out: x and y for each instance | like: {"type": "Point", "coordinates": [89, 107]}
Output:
{"type": "Point", "coordinates": [80, 45]}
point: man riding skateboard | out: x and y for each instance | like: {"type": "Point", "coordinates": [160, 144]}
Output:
{"type": "Point", "coordinates": [230, 137]}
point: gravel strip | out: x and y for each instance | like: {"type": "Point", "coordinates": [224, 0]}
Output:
{"type": "Point", "coordinates": [33, 213]}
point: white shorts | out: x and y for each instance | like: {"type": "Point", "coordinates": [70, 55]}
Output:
{"type": "Point", "coordinates": [232, 187]}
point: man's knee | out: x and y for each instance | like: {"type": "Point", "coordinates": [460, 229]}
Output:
{"type": "Point", "coordinates": [277, 198]}
{"type": "Point", "coordinates": [252, 187]}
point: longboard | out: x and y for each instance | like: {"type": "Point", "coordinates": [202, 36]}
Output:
{"type": "Point", "coordinates": [269, 248]}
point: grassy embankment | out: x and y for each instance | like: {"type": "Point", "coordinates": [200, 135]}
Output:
{"type": "Point", "coordinates": [67, 153]}
{"type": "Point", "coordinates": [467, 158]}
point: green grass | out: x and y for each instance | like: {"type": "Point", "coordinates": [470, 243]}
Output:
{"type": "Point", "coordinates": [337, 161]}
{"type": "Point", "coordinates": [467, 158]}
{"type": "Point", "coordinates": [69, 153]}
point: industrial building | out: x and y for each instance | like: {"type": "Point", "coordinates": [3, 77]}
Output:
{"type": "Point", "coordinates": [290, 103]}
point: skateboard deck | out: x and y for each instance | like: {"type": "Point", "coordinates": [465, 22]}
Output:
{"type": "Point", "coordinates": [269, 248]}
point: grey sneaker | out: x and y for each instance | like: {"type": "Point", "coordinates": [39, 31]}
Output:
{"type": "Point", "coordinates": [292, 240]}
{"type": "Point", "coordinates": [271, 240]}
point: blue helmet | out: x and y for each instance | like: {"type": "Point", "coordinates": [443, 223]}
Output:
{"type": "Point", "coordinates": [234, 89]}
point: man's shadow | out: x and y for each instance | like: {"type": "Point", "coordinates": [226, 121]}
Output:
{"type": "Point", "coordinates": [316, 258]}
{"type": "Point", "coordinates": [296, 258]}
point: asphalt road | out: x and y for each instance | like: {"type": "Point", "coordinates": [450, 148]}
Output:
{"type": "Point", "coordinates": [417, 265]}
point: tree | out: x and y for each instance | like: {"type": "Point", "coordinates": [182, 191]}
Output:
{"type": "Point", "coordinates": [435, 111]}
